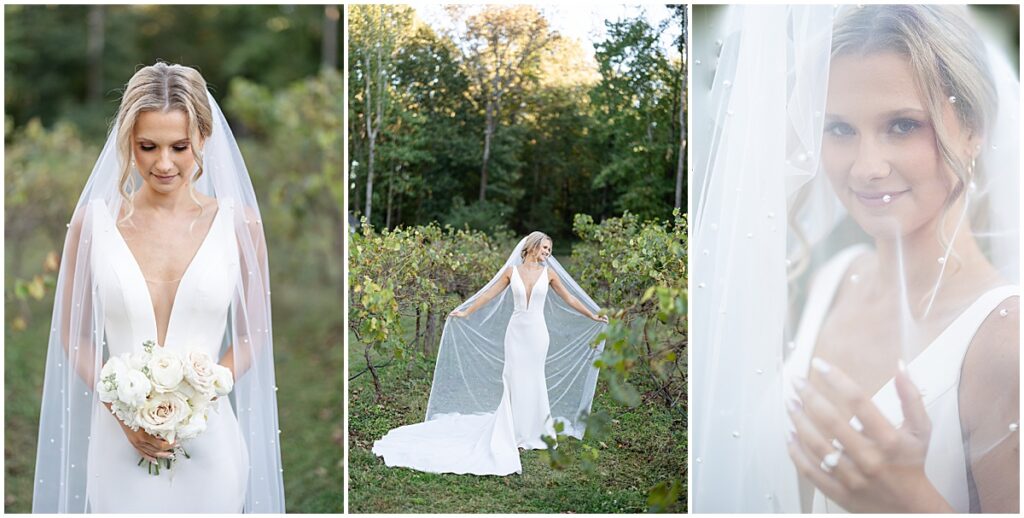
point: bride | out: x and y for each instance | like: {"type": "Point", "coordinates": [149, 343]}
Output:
{"type": "Point", "coordinates": [514, 365]}
{"type": "Point", "coordinates": [889, 136]}
{"type": "Point", "coordinates": [166, 244]}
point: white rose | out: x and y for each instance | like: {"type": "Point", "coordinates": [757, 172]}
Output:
{"type": "Point", "coordinates": [163, 413]}
{"type": "Point", "coordinates": [166, 370]}
{"type": "Point", "coordinates": [133, 387]}
{"type": "Point", "coordinates": [223, 381]}
{"type": "Point", "coordinates": [199, 371]}
{"type": "Point", "coordinates": [110, 376]}
{"type": "Point", "coordinates": [196, 425]}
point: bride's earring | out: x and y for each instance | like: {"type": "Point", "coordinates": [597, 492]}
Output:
{"type": "Point", "coordinates": [971, 186]}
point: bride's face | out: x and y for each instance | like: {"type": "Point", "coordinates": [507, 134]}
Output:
{"type": "Point", "coordinates": [163, 150]}
{"type": "Point", "coordinates": [542, 251]}
{"type": "Point", "coordinates": [879, 149]}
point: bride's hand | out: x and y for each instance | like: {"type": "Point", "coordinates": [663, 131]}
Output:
{"type": "Point", "coordinates": [149, 446]}
{"type": "Point", "coordinates": [600, 318]}
{"type": "Point", "coordinates": [879, 468]}
{"type": "Point", "coordinates": [457, 313]}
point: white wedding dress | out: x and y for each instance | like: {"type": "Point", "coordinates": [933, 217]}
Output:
{"type": "Point", "coordinates": [214, 479]}
{"type": "Point", "coordinates": [488, 443]}
{"type": "Point", "coordinates": [936, 372]}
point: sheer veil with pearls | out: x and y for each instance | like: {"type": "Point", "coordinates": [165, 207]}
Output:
{"type": "Point", "coordinates": [77, 347]}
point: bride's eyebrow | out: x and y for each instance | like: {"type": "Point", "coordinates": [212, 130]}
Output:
{"type": "Point", "coordinates": [907, 112]}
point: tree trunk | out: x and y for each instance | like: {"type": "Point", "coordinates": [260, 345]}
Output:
{"type": "Point", "coordinates": [680, 174]}
{"type": "Point", "coordinates": [373, 372]}
{"type": "Point", "coordinates": [488, 133]}
{"type": "Point", "coordinates": [329, 44]}
{"type": "Point", "coordinates": [391, 192]}
{"type": "Point", "coordinates": [428, 344]}
{"type": "Point", "coordinates": [94, 49]}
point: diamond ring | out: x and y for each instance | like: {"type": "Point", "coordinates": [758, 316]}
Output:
{"type": "Point", "coordinates": [830, 461]}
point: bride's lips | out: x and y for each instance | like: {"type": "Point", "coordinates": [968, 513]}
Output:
{"type": "Point", "coordinates": [878, 198]}
{"type": "Point", "coordinates": [164, 178]}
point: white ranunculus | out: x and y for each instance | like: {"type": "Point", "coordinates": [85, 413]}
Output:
{"type": "Point", "coordinates": [199, 371]}
{"type": "Point", "coordinates": [196, 425]}
{"type": "Point", "coordinates": [224, 381]}
{"type": "Point", "coordinates": [166, 370]}
{"type": "Point", "coordinates": [126, 413]}
{"type": "Point", "coordinates": [133, 387]}
{"type": "Point", "coordinates": [110, 377]}
{"type": "Point", "coordinates": [163, 413]}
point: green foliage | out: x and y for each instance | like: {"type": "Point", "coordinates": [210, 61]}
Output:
{"type": "Point", "coordinates": [49, 65]}
{"type": "Point", "coordinates": [415, 274]}
{"type": "Point", "coordinates": [571, 133]}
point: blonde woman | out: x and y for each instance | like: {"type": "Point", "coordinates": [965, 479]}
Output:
{"type": "Point", "coordinates": [166, 245]}
{"type": "Point", "coordinates": [515, 366]}
{"type": "Point", "coordinates": [884, 376]}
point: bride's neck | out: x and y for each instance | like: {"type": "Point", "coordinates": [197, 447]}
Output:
{"type": "Point", "coordinates": [173, 201]}
{"type": "Point", "coordinates": [918, 259]}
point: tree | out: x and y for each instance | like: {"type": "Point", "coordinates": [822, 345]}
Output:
{"type": "Point", "coordinates": [636, 111]}
{"type": "Point", "coordinates": [374, 37]}
{"type": "Point", "coordinates": [679, 11]}
{"type": "Point", "coordinates": [501, 48]}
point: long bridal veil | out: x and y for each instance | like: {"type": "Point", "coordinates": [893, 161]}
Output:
{"type": "Point", "coordinates": [77, 347]}
{"type": "Point", "coordinates": [467, 377]}
{"type": "Point", "coordinates": [766, 221]}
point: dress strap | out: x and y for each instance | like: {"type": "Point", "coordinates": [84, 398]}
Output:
{"type": "Point", "coordinates": [819, 300]}
{"type": "Point", "coordinates": [936, 370]}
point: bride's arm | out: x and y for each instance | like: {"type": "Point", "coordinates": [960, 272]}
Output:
{"type": "Point", "coordinates": [248, 323]}
{"type": "Point", "coordinates": [556, 283]}
{"type": "Point", "coordinates": [486, 297]}
{"type": "Point", "coordinates": [990, 411]}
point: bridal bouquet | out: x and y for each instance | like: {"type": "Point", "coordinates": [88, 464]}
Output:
{"type": "Point", "coordinates": [167, 394]}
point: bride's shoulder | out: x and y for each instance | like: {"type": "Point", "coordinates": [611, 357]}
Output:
{"type": "Point", "coordinates": [994, 351]}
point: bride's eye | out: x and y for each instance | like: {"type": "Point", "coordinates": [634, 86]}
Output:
{"type": "Point", "coordinates": [839, 129]}
{"type": "Point", "coordinates": [147, 147]}
{"type": "Point", "coordinates": [181, 148]}
{"type": "Point", "coordinates": [904, 126]}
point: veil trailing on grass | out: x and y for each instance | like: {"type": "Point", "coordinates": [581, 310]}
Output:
{"type": "Point", "coordinates": [77, 341]}
{"type": "Point", "coordinates": [467, 377]}
{"type": "Point", "coordinates": [769, 223]}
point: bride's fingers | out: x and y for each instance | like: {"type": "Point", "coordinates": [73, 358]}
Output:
{"type": "Point", "coordinates": [915, 416]}
{"type": "Point", "coordinates": [807, 467]}
{"type": "Point", "coordinates": [858, 453]}
{"type": "Point", "coordinates": [821, 449]}
{"type": "Point", "coordinates": [850, 396]}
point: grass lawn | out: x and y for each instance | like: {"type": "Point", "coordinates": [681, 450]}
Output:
{"type": "Point", "coordinates": [308, 357]}
{"type": "Point", "coordinates": [646, 446]}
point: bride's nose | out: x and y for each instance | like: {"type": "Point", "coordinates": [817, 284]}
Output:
{"type": "Point", "coordinates": [164, 163]}
{"type": "Point", "coordinates": [870, 163]}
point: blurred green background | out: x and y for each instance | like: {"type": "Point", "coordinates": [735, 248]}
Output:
{"type": "Point", "coordinates": [275, 72]}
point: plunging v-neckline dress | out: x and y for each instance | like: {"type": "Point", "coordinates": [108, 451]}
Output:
{"type": "Point", "coordinates": [214, 479]}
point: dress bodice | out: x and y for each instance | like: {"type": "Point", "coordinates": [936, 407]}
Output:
{"type": "Point", "coordinates": [532, 301]}
{"type": "Point", "coordinates": [199, 314]}
{"type": "Point", "coordinates": [935, 370]}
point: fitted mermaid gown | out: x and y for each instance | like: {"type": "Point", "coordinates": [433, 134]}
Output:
{"type": "Point", "coordinates": [214, 479]}
{"type": "Point", "coordinates": [488, 443]}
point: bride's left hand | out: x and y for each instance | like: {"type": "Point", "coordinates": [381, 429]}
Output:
{"type": "Point", "coordinates": [601, 318]}
{"type": "Point", "coordinates": [877, 469]}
